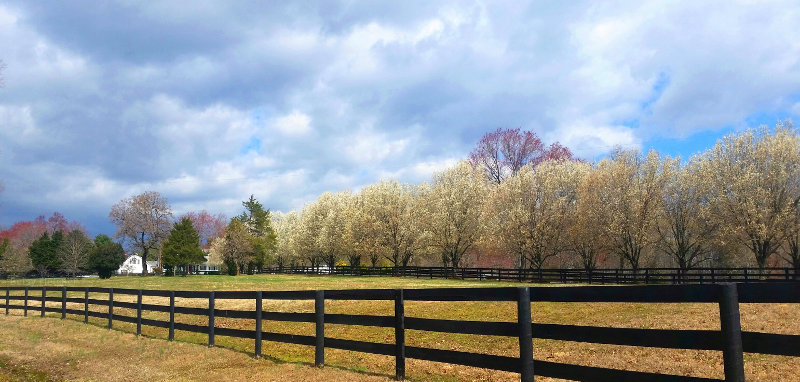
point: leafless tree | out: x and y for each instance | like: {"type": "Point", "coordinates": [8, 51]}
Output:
{"type": "Point", "coordinates": [145, 219]}
{"type": "Point", "coordinates": [74, 252]}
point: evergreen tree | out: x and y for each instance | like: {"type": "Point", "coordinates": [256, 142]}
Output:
{"type": "Point", "coordinates": [182, 246]}
{"type": "Point", "coordinates": [106, 256]}
{"type": "Point", "coordinates": [258, 223]}
{"type": "Point", "coordinates": [44, 253]}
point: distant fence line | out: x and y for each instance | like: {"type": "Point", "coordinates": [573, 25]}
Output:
{"type": "Point", "coordinates": [564, 276]}
{"type": "Point", "coordinates": [731, 340]}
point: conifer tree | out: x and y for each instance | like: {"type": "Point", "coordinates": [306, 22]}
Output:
{"type": "Point", "coordinates": [182, 246]}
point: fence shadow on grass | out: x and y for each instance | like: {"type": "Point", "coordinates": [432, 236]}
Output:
{"type": "Point", "coordinates": [731, 340]}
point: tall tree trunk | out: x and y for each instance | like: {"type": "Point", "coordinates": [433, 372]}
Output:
{"type": "Point", "coordinates": [145, 251]}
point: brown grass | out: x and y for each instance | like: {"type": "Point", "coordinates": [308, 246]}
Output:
{"type": "Point", "coordinates": [68, 350]}
{"type": "Point", "coordinates": [774, 318]}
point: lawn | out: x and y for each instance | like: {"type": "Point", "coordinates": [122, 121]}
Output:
{"type": "Point", "coordinates": [291, 362]}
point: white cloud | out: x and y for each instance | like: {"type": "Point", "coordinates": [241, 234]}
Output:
{"type": "Point", "coordinates": [293, 124]}
{"type": "Point", "coordinates": [588, 140]}
{"type": "Point", "coordinates": [17, 126]}
{"type": "Point", "coordinates": [354, 93]}
{"type": "Point", "coordinates": [367, 147]}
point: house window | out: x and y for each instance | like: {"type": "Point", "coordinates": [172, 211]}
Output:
{"type": "Point", "coordinates": [134, 261]}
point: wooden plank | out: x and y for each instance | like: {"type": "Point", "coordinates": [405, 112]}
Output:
{"type": "Point", "coordinates": [288, 295]}
{"type": "Point", "coordinates": [234, 295]}
{"type": "Point", "coordinates": [770, 343]}
{"type": "Point", "coordinates": [599, 374]}
{"type": "Point", "coordinates": [660, 338]}
{"type": "Point", "coordinates": [239, 333]}
{"type": "Point", "coordinates": [155, 323]}
{"type": "Point", "coordinates": [639, 293]}
{"type": "Point", "coordinates": [94, 301]}
{"type": "Point", "coordinates": [235, 313]}
{"type": "Point", "coordinates": [783, 292]}
{"type": "Point", "coordinates": [461, 294]}
{"type": "Point", "coordinates": [360, 346]}
{"type": "Point", "coordinates": [191, 294]}
{"type": "Point", "coordinates": [155, 293]}
{"type": "Point", "coordinates": [127, 305]}
{"type": "Point", "coordinates": [360, 294]}
{"type": "Point", "coordinates": [289, 338]}
{"type": "Point", "coordinates": [126, 291]}
{"type": "Point", "coordinates": [192, 311]}
{"type": "Point", "coordinates": [360, 320]}
{"type": "Point", "coordinates": [508, 329]}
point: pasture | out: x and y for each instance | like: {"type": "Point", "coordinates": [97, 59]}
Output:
{"type": "Point", "coordinates": [88, 341]}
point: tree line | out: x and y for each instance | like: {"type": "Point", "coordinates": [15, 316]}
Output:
{"type": "Point", "coordinates": [56, 245]}
{"type": "Point", "coordinates": [513, 202]}
{"type": "Point", "coordinates": [532, 206]}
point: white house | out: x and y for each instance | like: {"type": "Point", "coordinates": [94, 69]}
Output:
{"type": "Point", "coordinates": [133, 265]}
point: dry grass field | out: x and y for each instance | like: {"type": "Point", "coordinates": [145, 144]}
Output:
{"type": "Point", "coordinates": [76, 351]}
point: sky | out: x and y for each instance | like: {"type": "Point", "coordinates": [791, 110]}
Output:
{"type": "Point", "coordinates": [210, 102]}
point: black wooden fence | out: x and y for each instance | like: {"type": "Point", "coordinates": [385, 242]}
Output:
{"type": "Point", "coordinates": [731, 340]}
{"type": "Point", "coordinates": [550, 275]}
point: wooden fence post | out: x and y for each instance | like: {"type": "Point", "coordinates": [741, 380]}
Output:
{"type": "Point", "coordinates": [319, 314]}
{"type": "Point", "coordinates": [399, 335]}
{"type": "Point", "coordinates": [63, 302]}
{"type": "Point", "coordinates": [525, 334]}
{"type": "Point", "coordinates": [110, 308]}
{"type": "Point", "coordinates": [25, 308]}
{"type": "Point", "coordinates": [258, 323]}
{"type": "Point", "coordinates": [8, 290]}
{"type": "Point", "coordinates": [44, 299]}
{"type": "Point", "coordinates": [731, 333]}
{"type": "Point", "coordinates": [86, 306]}
{"type": "Point", "coordinates": [139, 312]}
{"type": "Point", "coordinates": [211, 319]}
{"type": "Point", "coordinates": [171, 315]}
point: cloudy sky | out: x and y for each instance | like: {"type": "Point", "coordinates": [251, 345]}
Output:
{"type": "Point", "coordinates": [209, 102]}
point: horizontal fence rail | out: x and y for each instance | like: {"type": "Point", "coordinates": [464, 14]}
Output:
{"type": "Point", "coordinates": [564, 276]}
{"type": "Point", "coordinates": [731, 340]}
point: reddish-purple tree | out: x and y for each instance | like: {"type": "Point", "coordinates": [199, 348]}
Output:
{"type": "Point", "coordinates": [503, 152]}
{"type": "Point", "coordinates": [519, 148]}
{"type": "Point", "coordinates": [207, 225]}
{"type": "Point", "coordinates": [25, 232]}
{"type": "Point", "coordinates": [487, 156]}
